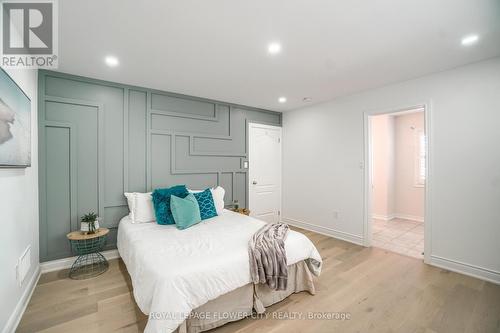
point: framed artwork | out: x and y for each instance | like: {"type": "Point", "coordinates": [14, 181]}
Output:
{"type": "Point", "coordinates": [15, 124]}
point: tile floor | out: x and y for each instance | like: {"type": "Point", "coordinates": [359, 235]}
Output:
{"type": "Point", "coordinates": [400, 236]}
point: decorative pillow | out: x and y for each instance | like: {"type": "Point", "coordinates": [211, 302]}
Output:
{"type": "Point", "coordinates": [130, 203]}
{"type": "Point", "coordinates": [161, 202]}
{"type": "Point", "coordinates": [206, 203]}
{"type": "Point", "coordinates": [218, 197]}
{"type": "Point", "coordinates": [186, 212]}
{"type": "Point", "coordinates": [141, 207]}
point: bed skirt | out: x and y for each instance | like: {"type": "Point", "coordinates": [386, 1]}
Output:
{"type": "Point", "coordinates": [241, 302]}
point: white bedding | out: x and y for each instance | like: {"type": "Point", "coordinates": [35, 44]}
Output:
{"type": "Point", "coordinates": [175, 271]}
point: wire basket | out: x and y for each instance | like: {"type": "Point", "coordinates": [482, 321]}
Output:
{"type": "Point", "coordinates": [90, 262]}
{"type": "Point", "coordinates": [86, 246]}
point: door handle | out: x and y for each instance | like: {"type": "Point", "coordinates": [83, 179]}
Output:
{"type": "Point", "coordinates": [254, 182]}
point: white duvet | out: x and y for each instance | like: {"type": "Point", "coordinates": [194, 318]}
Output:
{"type": "Point", "coordinates": [175, 271]}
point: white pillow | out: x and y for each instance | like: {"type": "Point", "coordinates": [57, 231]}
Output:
{"type": "Point", "coordinates": [141, 207]}
{"type": "Point", "coordinates": [217, 195]}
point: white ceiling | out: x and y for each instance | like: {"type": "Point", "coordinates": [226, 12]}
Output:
{"type": "Point", "coordinates": [218, 49]}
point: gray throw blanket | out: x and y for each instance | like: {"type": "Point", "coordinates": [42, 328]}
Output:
{"type": "Point", "coordinates": [268, 257]}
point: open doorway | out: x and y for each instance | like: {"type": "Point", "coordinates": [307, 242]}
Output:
{"type": "Point", "coordinates": [398, 172]}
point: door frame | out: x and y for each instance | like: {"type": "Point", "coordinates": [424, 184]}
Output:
{"type": "Point", "coordinates": [249, 158]}
{"type": "Point", "coordinates": [368, 150]}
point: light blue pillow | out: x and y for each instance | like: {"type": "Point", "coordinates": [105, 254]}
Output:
{"type": "Point", "coordinates": [186, 212]}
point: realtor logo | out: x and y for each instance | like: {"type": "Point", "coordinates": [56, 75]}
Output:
{"type": "Point", "coordinates": [29, 34]}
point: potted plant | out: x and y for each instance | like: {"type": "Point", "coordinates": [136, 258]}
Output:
{"type": "Point", "coordinates": [90, 223]}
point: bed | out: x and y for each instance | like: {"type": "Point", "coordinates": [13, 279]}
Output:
{"type": "Point", "coordinates": [196, 279]}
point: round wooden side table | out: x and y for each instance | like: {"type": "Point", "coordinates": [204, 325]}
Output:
{"type": "Point", "coordinates": [87, 247]}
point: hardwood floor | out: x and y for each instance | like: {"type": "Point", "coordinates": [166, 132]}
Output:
{"type": "Point", "coordinates": [381, 292]}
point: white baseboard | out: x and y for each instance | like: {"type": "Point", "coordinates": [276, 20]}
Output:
{"type": "Point", "coordinates": [451, 265]}
{"type": "Point", "coordinates": [383, 217]}
{"type": "Point", "coordinates": [56, 265]}
{"type": "Point", "coordinates": [356, 239]}
{"type": "Point", "coordinates": [409, 217]}
{"type": "Point", "coordinates": [18, 312]}
{"type": "Point", "coordinates": [466, 269]}
{"type": "Point", "coordinates": [398, 216]}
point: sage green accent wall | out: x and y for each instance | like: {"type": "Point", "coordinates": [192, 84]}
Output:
{"type": "Point", "coordinates": [100, 139]}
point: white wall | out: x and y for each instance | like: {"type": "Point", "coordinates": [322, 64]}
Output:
{"type": "Point", "coordinates": [19, 217]}
{"type": "Point", "coordinates": [409, 198]}
{"type": "Point", "coordinates": [324, 146]}
{"type": "Point", "coordinates": [383, 202]}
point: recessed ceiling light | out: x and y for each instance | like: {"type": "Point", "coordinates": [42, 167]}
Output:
{"type": "Point", "coordinates": [274, 48]}
{"type": "Point", "coordinates": [112, 61]}
{"type": "Point", "coordinates": [307, 99]}
{"type": "Point", "coordinates": [469, 40]}
{"type": "Point", "coordinates": [282, 99]}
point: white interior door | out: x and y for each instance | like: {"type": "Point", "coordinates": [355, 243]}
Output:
{"type": "Point", "coordinates": [264, 174]}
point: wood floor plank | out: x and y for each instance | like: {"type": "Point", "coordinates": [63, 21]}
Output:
{"type": "Point", "coordinates": [380, 291]}
{"type": "Point", "coordinates": [457, 310]}
{"type": "Point", "coordinates": [485, 317]}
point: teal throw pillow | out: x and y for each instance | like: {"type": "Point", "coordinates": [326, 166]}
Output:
{"type": "Point", "coordinates": [161, 202]}
{"type": "Point", "coordinates": [185, 211]}
{"type": "Point", "coordinates": [206, 203]}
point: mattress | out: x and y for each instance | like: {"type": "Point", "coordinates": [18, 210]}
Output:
{"type": "Point", "coordinates": [175, 271]}
{"type": "Point", "coordinates": [242, 302]}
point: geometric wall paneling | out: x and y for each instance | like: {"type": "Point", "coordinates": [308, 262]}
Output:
{"type": "Point", "coordinates": [181, 107]}
{"type": "Point", "coordinates": [136, 141]}
{"type": "Point", "coordinates": [111, 98]}
{"type": "Point", "coordinates": [240, 190]}
{"type": "Point", "coordinates": [70, 141]}
{"type": "Point", "coordinates": [226, 181]}
{"type": "Point", "coordinates": [58, 176]}
{"type": "Point", "coordinates": [112, 215]}
{"type": "Point", "coordinates": [99, 139]}
{"type": "Point", "coordinates": [173, 121]}
{"type": "Point", "coordinates": [183, 161]}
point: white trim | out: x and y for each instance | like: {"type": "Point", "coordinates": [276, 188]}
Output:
{"type": "Point", "coordinates": [405, 111]}
{"type": "Point", "coordinates": [348, 237]}
{"type": "Point", "coordinates": [409, 217]}
{"type": "Point", "coordinates": [398, 216]}
{"type": "Point", "coordinates": [368, 181]}
{"type": "Point", "coordinates": [463, 268]}
{"type": "Point", "coordinates": [21, 306]}
{"type": "Point", "coordinates": [383, 217]}
{"type": "Point", "coordinates": [367, 226]}
{"type": "Point", "coordinates": [56, 265]}
{"type": "Point", "coordinates": [428, 182]}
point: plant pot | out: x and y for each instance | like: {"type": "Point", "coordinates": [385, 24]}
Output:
{"type": "Point", "coordinates": [84, 226]}
{"type": "Point", "coordinates": [92, 228]}
{"type": "Point", "coordinates": [89, 227]}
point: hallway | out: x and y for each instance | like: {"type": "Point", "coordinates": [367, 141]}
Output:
{"type": "Point", "coordinates": [400, 236]}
